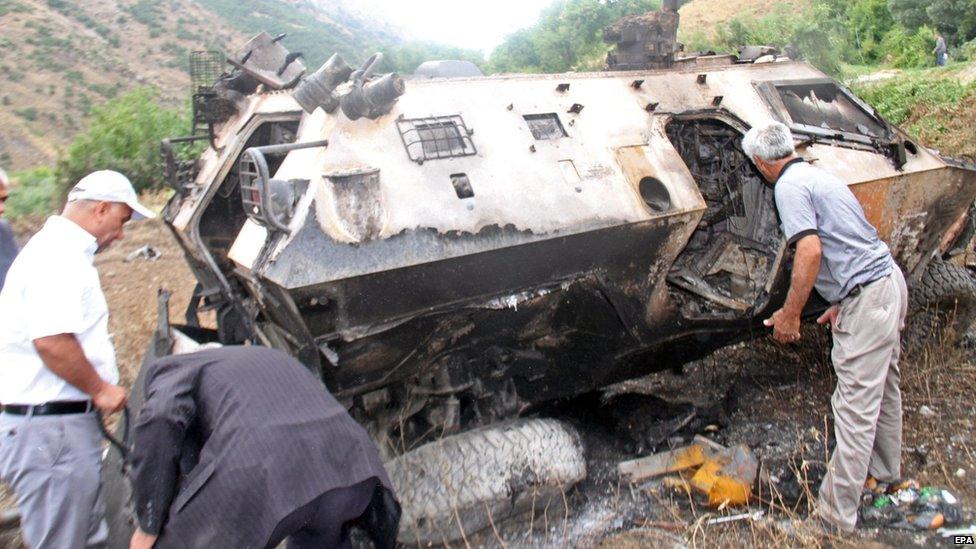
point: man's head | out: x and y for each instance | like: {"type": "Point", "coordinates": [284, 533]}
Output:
{"type": "Point", "coordinates": [101, 203]}
{"type": "Point", "coordinates": [770, 147]}
{"type": "Point", "coordinates": [4, 191]}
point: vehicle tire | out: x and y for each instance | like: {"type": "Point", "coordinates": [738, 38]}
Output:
{"type": "Point", "coordinates": [461, 484]}
{"type": "Point", "coordinates": [942, 303]}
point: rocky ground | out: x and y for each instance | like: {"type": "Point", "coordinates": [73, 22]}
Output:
{"type": "Point", "coordinates": [772, 398]}
{"type": "Point", "coordinates": [775, 400]}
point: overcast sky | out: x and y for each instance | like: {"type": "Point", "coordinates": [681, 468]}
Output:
{"type": "Point", "coordinates": [479, 25]}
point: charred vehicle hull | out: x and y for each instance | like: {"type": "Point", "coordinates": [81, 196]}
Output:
{"type": "Point", "coordinates": [457, 254]}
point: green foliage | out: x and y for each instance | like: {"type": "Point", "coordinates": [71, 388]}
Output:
{"type": "Point", "coordinates": [407, 57]}
{"type": "Point", "coordinates": [123, 135]}
{"type": "Point", "coordinates": [909, 13]}
{"type": "Point", "coordinates": [868, 21]}
{"type": "Point", "coordinates": [33, 193]}
{"type": "Point", "coordinates": [13, 6]}
{"type": "Point", "coordinates": [567, 36]}
{"type": "Point", "coordinates": [29, 114]}
{"type": "Point", "coordinates": [967, 51]}
{"type": "Point", "coordinates": [909, 50]}
{"type": "Point", "coordinates": [954, 18]}
{"type": "Point", "coordinates": [811, 30]}
{"type": "Point", "coordinates": [897, 98]}
{"type": "Point", "coordinates": [317, 39]}
{"type": "Point", "coordinates": [145, 12]}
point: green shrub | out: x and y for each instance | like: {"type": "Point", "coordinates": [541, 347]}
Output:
{"type": "Point", "coordinates": [34, 192]}
{"type": "Point", "coordinates": [905, 50]}
{"type": "Point", "coordinates": [123, 135]}
{"type": "Point", "coordinates": [29, 114]}
{"type": "Point", "coordinates": [567, 36]}
{"type": "Point", "coordinates": [967, 52]}
{"type": "Point", "coordinates": [810, 29]}
{"type": "Point", "coordinates": [895, 99]}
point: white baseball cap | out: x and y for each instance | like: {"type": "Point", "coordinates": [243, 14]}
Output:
{"type": "Point", "coordinates": [109, 186]}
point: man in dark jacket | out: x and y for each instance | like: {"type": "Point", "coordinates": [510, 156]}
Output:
{"type": "Point", "coordinates": [243, 447]}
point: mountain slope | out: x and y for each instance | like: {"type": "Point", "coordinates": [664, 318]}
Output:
{"type": "Point", "coordinates": [704, 17]}
{"type": "Point", "coordinates": [58, 58]}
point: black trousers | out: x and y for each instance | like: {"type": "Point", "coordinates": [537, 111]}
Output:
{"type": "Point", "coordinates": [326, 521]}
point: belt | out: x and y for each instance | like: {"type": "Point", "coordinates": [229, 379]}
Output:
{"type": "Point", "coordinates": [54, 408]}
{"type": "Point", "coordinates": [856, 290]}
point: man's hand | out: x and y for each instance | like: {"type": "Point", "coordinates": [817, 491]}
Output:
{"type": "Point", "coordinates": [109, 398]}
{"type": "Point", "coordinates": [142, 540]}
{"type": "Point", "coordinates": [786, 327]}
{"type": "Point", "coordinates": [829, 316]}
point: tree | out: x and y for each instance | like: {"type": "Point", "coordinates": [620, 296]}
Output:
{"type": "Point", "coordinates": [867, 23]}
{"type": "Point", "coordinates": [955, 18]}
{"type": "Point", "coordinates": [123, 135]}
{"type": "Point", "coordinates": [810, 29]}
{"type": "Point", "coordinates": [567, 36]}
{"type": "Point", "coordinates": [911, 14]}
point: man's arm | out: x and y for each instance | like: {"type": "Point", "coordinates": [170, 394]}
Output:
{"type": "Point", "coordinates": [63, 355]}
{"type": "Point", "coordinates": [806, 267]}
{"type": "Point", "coordinates": [158, 437]}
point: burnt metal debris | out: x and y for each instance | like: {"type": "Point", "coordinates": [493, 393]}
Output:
{"type": "Point", "coordinates": [644, 41]}
{"type": "Point", "coordinates": [466, 251]}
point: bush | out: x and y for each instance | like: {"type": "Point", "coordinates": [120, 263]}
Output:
{"type": "Point", "coordinates": [123, 135]}
{"type": "Point", "coordinates": [967, 52]}
{"type": "Point", "coordinates": [906, 50]}
{"type": "Point", "coordinates": [33, 193]}
{"type": "Point", "coordinates": [898, 98]}
{"type": "Point", "coordinates": [567, 36]}
{"type": "Point", "coordinates": [810, 29]}
{"type": "Point", "coordinates": [29, 114]}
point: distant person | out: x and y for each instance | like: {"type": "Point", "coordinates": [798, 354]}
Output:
{"type": "Point", "coordinates": [839, 253]}
{"type": "Point", "coordinates": [940, 51]}
{"type": "Point", "coordinates": [57, 366]}
{"type": "Point", "coordinates": [244, 447]}
{"type": "Point", "coordinates": [8, 246]}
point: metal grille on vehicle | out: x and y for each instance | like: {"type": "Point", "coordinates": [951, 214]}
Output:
{"type": "Point", "coordinates": [436, 137]}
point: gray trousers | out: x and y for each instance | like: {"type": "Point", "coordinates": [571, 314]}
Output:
{"type": "Point", "coordinates": [53, 464]}
{"type": "Point", "coordinates": [867, 400]}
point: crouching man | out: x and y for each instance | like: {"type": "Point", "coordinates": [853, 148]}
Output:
{"type": "Point", "coordinates": [839, 253]}
{"type": "Point", "coordinates": [244, 447]}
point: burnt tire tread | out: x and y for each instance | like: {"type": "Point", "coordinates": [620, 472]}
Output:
{"type": "Point", "coordinates": [496, 469]}
{"type": "Point", "coordinates": [944, 291]}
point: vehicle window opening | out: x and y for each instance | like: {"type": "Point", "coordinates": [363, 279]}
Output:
{"type": "Point", "coordinates": [462, 185]}
{"type": "Point", "coordinates": [436, 137]}
{"type": "Point", "coordinates": [225, 216]}
{"type": "Point", "coordinates": [729, 258]}
{"type": "Point", "coordinates": [825, 105]}
{"type": "Point", "coordinates": [545, 126]}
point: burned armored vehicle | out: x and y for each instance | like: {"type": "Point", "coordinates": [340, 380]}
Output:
{"type": "Point", "coordinates": [450, 253]}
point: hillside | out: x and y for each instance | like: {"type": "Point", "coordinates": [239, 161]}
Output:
{"type": "Point", "coordinates": [58, 58]}
{"type": "Point", "coordinates": [704, 17]}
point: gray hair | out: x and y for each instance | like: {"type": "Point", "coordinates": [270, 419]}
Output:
{"type": "Point", "coordinates": [770, 142]}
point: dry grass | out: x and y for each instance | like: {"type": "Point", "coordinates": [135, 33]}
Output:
{"type": "Point", "coordinates": [948, 128]}
{"type": "Point", "coordinates": [706, 16]}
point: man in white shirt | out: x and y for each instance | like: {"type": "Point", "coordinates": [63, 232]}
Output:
{"type": "Point", "coordinates": [57, 366]}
